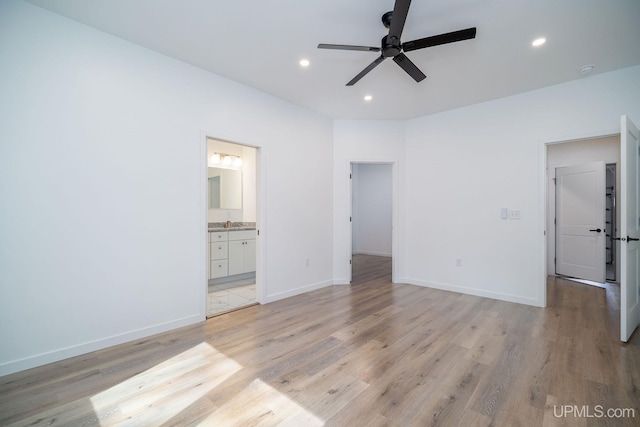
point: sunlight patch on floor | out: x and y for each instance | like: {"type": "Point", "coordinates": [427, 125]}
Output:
{"type": "Point", "coordinates": [269, 407]}
{"type": "Point", "coordinates": [155, 396]}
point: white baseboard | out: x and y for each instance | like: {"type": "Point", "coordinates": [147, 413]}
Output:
{"type": "Point", "coordinates": [297, 291]}
{"type": "Point", "coordinates": [471, 291]}
{"type": "Point", "coordinates": [99, 344]}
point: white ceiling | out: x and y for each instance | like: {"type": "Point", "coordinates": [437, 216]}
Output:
{"type": "Point", "coordinates": [259, 43]}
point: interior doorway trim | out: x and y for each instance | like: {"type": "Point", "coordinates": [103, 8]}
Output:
{"type": "Point", "coordinates": [543, 198]}
{"type": "Point", "coordinates": [395, 224]}
{"type": "Point", "coordinates": [261, 204]}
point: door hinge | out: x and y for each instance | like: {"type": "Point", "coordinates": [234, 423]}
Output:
{"type": "Point", "coordinates": [349, 176]}
{"type": "Point", "coordinates": [554, 181]}
{"type": "Point", "coordinates": [349, 261]}
{"type": "Point", "coordinates": [258, 231]}
{"type": "Point", "coordinates": [349, 219]}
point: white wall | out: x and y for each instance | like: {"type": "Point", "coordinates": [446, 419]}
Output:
{"type": "Point", "coordinates": [372, 208]}
{"type": "Point", "coordinates": [363, 141]}
{"type": "Point", "coordinates": [102, 186]}
{"type": "Point", "coordinates": [462, 166]}
{"type": "Point", "coordinates": [570, 154]}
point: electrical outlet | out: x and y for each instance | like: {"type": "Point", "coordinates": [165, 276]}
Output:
{"type": "Point", "coordinates": [458, 262]}
{"type": "Point", "coordinates": [514, 214]}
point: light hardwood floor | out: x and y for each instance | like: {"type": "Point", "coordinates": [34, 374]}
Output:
{"type": "Point", "coordinates": [369, 354]}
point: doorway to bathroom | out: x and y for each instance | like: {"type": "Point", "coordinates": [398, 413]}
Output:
{"type": "Point", "coordinates": [231, 220]}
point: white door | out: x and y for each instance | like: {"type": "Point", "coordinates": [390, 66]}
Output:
{"type": "Point", "coordinates": [580, 221]}
{"type": "Point", "coordinates": [629, 230]}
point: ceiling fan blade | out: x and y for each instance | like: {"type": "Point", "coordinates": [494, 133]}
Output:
{"type": "Point", "coordinates": [400, 11]}
{"type": "Point", "coordinates": [348, 47]}
{"type": "Point", "coordinates": [364, 72]}
{"type": "Point", "coordinates": [452, 37]}
{"type": "Point", "coordinates": [411, 69]}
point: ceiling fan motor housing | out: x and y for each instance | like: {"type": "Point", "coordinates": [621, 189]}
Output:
{"type": "Point", "coordinates": [390, 46]}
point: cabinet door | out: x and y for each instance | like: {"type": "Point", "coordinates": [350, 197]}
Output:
{"type": "Point", "coordinates": [236, 257]}
{"type": "Point", "coordinates": [250, 256]}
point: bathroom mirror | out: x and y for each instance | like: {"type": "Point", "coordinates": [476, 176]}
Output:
{"type": "Point", "coordinates": [225, 189]}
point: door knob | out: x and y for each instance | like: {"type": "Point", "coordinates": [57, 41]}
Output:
{"type": "Point", "coordinates": [597, 230]}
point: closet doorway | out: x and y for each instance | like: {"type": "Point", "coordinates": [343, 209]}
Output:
{"type": "Point", "coordinates": [231, 219]}
{"type": "Point", "coordinates": [564, 157]}
{"type": "Point", "coordinates": [371, 221]}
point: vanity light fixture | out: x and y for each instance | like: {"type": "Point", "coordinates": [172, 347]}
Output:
{"type": "Point", "coordinates": [226, 161]}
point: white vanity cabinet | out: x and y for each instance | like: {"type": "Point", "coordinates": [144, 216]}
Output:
{"type": "Point", "coordinates": [242, 251]}
{"type": "Point", "coordinates": [218, 254]}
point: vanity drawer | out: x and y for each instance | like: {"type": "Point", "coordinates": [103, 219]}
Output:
{"type": "Point", "coordinates": [218, 250]}
{"type": "Point", "coordinates": [218, 236]}
{"type": "Point", "coordinates": [242, 235]}
{"type": "Point", "coordinates": [219, 268]}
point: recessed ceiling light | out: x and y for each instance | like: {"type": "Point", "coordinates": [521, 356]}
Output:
{"type": "Point", "coordinates": [368, 97]}
{"type": "Point", "coordinates": [304, 63]}
{"type": "Point", "coordinates": [586, 69]}
{"type": "Point", "coordinates": [538, 42]}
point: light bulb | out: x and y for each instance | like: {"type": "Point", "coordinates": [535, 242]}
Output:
{"type": "Point", "coordinates": [237, 162]}
{"type": "Point", "coordinates": [215, 158]}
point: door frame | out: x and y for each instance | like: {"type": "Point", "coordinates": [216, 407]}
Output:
{"type": "Point", "coordinates": [261, 204]}
{"type": "Point", "coordinates": [544, 177]}
{"type": "Point", "coordinates": [394, 214]}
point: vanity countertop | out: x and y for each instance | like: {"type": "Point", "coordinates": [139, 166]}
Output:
{"type": "Point", "coordinates": [216, 229]}
{"type": "Point", "coordinates": [235, 226]}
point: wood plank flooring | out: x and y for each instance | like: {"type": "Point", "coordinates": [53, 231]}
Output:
{"type": "Point", "coordinates": [370, 354]}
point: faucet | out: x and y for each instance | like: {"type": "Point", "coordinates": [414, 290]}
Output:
{"type": "Point", "coordinates": [228, 224]}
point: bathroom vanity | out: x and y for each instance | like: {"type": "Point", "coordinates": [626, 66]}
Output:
{"type": "Point", "coordinates": [231, 252]}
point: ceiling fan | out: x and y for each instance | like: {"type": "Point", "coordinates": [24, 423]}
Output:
{"type": "Point", "coordinates": [391, 47]}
